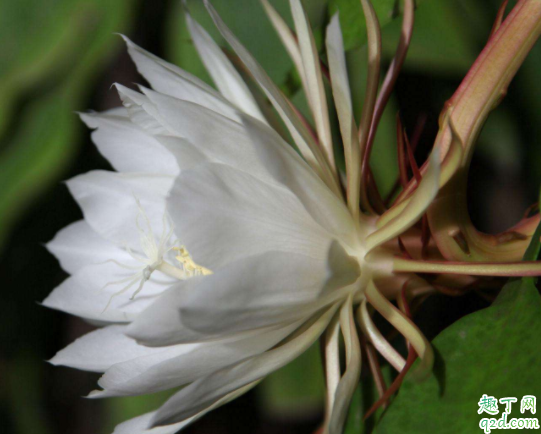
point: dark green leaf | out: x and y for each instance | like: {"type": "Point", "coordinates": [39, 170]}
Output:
{"type": "Point", "coordinates": [44, 139]}
{"type": "Point", "coordinates": [353, 22]}
{"type": "Point", "coordinates": [444, 40]}
{"type": "Point", "coordinates": [496, 351]}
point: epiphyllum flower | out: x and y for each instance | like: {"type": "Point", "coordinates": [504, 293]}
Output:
{"type": "Point", "coordinates": [217, 253]}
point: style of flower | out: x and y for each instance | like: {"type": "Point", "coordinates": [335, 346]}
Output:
{"type": "Point", "coordinates": [277, 249]}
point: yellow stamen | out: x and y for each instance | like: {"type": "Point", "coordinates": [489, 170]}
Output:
{"type": "Point", "coordinates": [188, 264]}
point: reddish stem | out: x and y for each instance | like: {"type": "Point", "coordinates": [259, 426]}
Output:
{"type": "Point", "coordinates": [499, 17]}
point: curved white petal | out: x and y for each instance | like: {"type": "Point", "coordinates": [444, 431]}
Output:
{"type": "Point", "coordinates": [224, 75]}
{"type": "Point", "coordinates": [87, 295]}
{"type": "Point", "coordinates": [128, 147]}
{"type": "Point", "coordinates": [344, 108]}
{"type": "Point", "coordinates": [288, 39]}
{"type": "Point", "coordinates": [274, 288]}
{"type": "Point", "coordinates": [304, 141]}
{"type": "Point", "coordinates": [248, 299]}
{"type": "Point", "coordinates": [350, 380]}
{"type": "Point", "coordinates": [207, 391]}
{"type": "Point", "coordinates": [223, 214]}
{"type": "Point", "coordinates": [174, 81]}
{"type": "Point", "coordinates": [143, 112]}
{"type": "Point", "coordinates": [78, 245]}
{"type": "Point", "coordinates": [97, 351]}
{"type": "Point", "coordinates": [184, 153]}
{"type": "Point", "coordinates": [142, 424]}
{"type": "Point", "coordinates": [249, 146]}
{"type": "Point", "coordinates": [109, 202]}
{"type": "Point", "coordinates": [314, 81]}
{"type": "Point", "coordinates": [178, 365]}
{"type": "Point", "coordinates": [262, 291]}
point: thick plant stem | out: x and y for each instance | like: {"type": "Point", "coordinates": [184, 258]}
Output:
{"type": "Point", "coordinates": [501, 269]}
{"type": "Point", "coordinates": [488, 78]}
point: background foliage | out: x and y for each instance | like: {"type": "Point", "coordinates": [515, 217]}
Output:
{"type": "Point", "coordinates": [61, 56]}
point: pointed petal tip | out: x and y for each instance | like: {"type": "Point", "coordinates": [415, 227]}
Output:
{"type": "Point", "coordinates": [58, 359]}
{"type": "Point", "coordinates": [53, 360]}
{"type": "Point", "coordinates": [49, 245]}
{"type": "Point", "coordinates": [127, 95]}
{"type": "Point", "coordinates": [159, 420]}
{"type": "Point", "coordinates": [124, 37]}
{"type": "Point", "coordinates": [46, 302]}
{"type": "Point", "coordinates": [93, 394]}
{"type": "Point", "coordinates": [335, 18]}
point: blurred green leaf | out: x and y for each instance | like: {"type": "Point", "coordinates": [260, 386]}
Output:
{"type": "Point", "coordinates": [24, 394]}
{"type": "Point", "coordinates": [496, 351]}
{"type": "Point", "coordinates": [44, 138]}
{"type": "Point", "coordinates": [38, 41]}
{"type": "Point", "coordinates": [443, 39]}
{"type": "Point", "coordinates": [353, 22]}
{"type": "Point", "coordinates": [35, 155]}
{"type": "Point", "coordinates": [121, 409]}
{"type": "Point", "coordinates": [297, 390]}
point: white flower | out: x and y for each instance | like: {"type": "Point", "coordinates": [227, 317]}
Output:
{"type": "Point", "coordinates": [275, 254]}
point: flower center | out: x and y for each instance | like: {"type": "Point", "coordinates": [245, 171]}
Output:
{"type": "Point", "coordinates": [152, 259]}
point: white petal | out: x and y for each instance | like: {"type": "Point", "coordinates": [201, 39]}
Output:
{"type": "Point", "coordinates": [178, 365]}
{"type": "Point", "coordinates": [77, 246]}
{"type": "Point", "coordinates": [287, 38]}
{"type": "Point", "coordinates": [108, 201]}
{"type": "Point", "coordinates": [143, 112]}
{"type": "Point", "coordinates": [97, 351]}
{"type": "Point", "coordinates": [128, 147]}
{"type": "Point", "coordinates": [350, 380]}
{"type": "Point", "coordinates": [140, 425]}
{"type": "Point", "coordinates": [224, 75]}
{"type": "Point", "coordinates": [306, 144]}
{"type": "Point", "coordinates": [286, 167]}
{"type": "Point", "coordinates": [271, 289]}
{"type": "Point", "coordinates": [160, 324]}
{"type": "Point", "coordinates": [85, 294]}
{"type": "Point", "coordinates": [249, 146]}
{"type": "Point", "coordinates": [312, 70]}
{"type": "Point", "coordinates": [342, 99]}
{"type": "Point", "coordinates": [202, 393]}
{"type": "Point", "coordinates": [172, 80]}
{"type": "Point", "coordinates": [184, 153]}
{"type": "Point", "coordinates": [223, 214]}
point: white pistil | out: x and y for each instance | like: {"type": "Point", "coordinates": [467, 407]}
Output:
{"type": "Point", "coordinates": [153, 258]}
